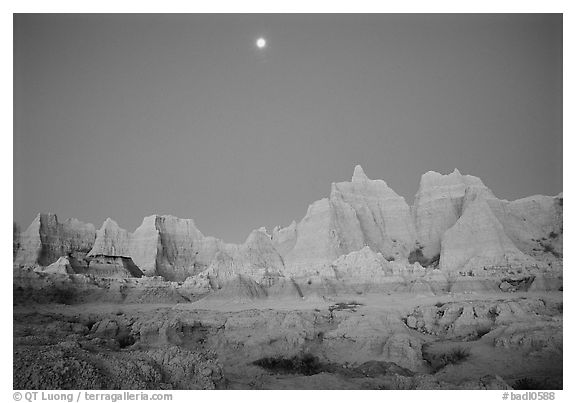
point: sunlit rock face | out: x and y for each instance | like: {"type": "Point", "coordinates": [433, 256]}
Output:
{"type": "Point", "coordinates": [359, 213]}
{"type": "Point", "coordinates": [478, 242]}
{"type": "Point", "coordinates": [256, 259]}
{"type": "Point", "coordinates": [384, 216]}
{"type": "Point", "coordinates": [362, 267]}
{"type": "Point", "coordinates": [61, 266]}
{"type": "Point", "coordinates": [46, 239]}
{"type": "Point", "coordinates": [171, 247]}
{"type": "Point", "coordinates": [439, 204]}
{"type": "Point", "coordinates": [111, 240]}
{"type": "Point", "coordinates": [534, 225]}
{"type": "Point", "coordinates": [319, 239]}
{"type": "Point", "coordinates": [284, 239]}
{"type": "Point", "coordinates": [360, 231]}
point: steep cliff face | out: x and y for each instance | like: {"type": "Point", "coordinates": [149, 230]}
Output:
{"type": "Point", "coordinates": [319, 237]}
{"type": "Point", "coordinates": [359, 213]}
{"type": "Point", "coordinates": [526, 231]}
{"type": "Point", "coordinates": [171, 247]}
{"type": "Point", "coordinates": [439, 203]}
{"type": "Point", "coordinates": [145, 246]}
{"type": "Point", "coordinates": [284, 239]}
{"type": "Point", "coordinates": [478, 242]}
{"type": "Point", "coordinates": [46, 239]}
{"type": "Point", "coordinates": [534, 225]}
{"type": "Point", "coordinates": [111, 240]}
{"type": "Point", "coordinates": [256, 259]}
{"type": "Point", "coordinates": [384, 216]}
{"type": "Point", "coordinates": [357, 234]}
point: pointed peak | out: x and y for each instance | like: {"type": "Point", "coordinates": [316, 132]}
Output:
{"type": "Point", "coordinates": [456, 172]}
{"type": "Point", "coordinates": [257, 234]}
{"type": "Point", "coordinates": [359, 174]}
{"type": "Point", "coordinates": [262, 230]}
{"type": "Point", "coordinates": [109, 223]}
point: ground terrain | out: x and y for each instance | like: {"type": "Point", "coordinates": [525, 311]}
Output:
{"type": "Point", "coordinates": [403, 341]}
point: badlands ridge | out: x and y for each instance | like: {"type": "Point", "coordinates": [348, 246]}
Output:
{"type": "Point", "coordinates": [363, 237]}
{"type": "Point", "coordinates": [459, 291]}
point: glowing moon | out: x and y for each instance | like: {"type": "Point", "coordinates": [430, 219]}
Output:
{"type": "Point", "coordinates": [261, 43]}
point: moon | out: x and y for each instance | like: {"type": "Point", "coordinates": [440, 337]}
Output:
{"type": "Point", "coordinates": [261, 43]}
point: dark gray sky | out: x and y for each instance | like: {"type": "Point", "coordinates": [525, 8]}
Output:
{"type": "Point", "coordinates": [129, 115]}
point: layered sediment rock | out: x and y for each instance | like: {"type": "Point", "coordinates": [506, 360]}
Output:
{"type": "Point", "coordinates": [383, 215]}
{"type": "Point", "coordinates": [112, 267]}
{"type": "Point", "coordinates": [478, 242]}
{"type": "Point", "coordinates": [284, 239]}
{"type": "Point", "coordinates": [46, 239]}
{"type": "Point", "coordinates": [256, 259]}
{"type": "Point", "coordinates": [533, 224]}
{"type": "Point", "coordinates": [171, 247]}
{"type": "Point", "coordinates": [61, 266]}
{"type": "Point", "coordinates": [363, 232]}
{"type": "Point", "coordinates": [439, 203]}
{"type": "Point", "coordinates": [359, 213]}
{"type": "Point", "coordinates": [362, 267]}
{"type": "Point", "coordinates": [111, 240]}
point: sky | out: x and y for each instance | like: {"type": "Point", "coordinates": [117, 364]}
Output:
{"type": "Point", "coordinates": [124, 116]}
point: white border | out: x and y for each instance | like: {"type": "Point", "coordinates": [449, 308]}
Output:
{"type": "Point", "coordinates": [270, 6]}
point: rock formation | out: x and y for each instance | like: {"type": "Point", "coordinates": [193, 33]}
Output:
{"type": "Point", "coordinates": [284, 238]}
{"type": "Point", "coordinates": [359, 213]}
{"type": "Point", "coordinates": [362, 269]}
{"type": "Point", "coordinates": [46, 240]}
{"type": "Point", "coordinates": [438, 205]}
{"type": "Point", "coordinates": [239, 288]}
{"type": "Point", "coordinates": [478, 242]}
{"type": "Point", "coordinates": [533, 224]}
{"type": "Point", "coordinates": [111, 240]}
{"type": "Point", "coordinates": [171, 247]}
{"type": "Point", "coordinates": [112, 267]}
{"type": "Point", "coordinates": [362, 234]}
{"type": "Point", "coordinates": [256, 259]}
{"type": "Point", "coordinates": [61, 266]}
{"type": "Point", "coordinates": [384, 217]}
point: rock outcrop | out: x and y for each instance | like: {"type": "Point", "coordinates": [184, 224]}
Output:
{"type": "Point", "coordinates": [359, 213]}
{"type": "Point", "coordinates": [171, 247]}
{"type": "Point", "coordinates": [239, 288]}
{"type": "Point", "coordinates": [362, 233]}
{"type": "Point", "coordinates": [284, 239]}
{"type": "Point", "coordinates": [46, 240]}
{"type": "Point", "coordinates": [112, 267]}
{"type": "Point", "coordinates": [534, 225]}
{"type": "Point", "coordinates": [384, 217]}
{"type": "Point", "coordinates": [61, 266]}
{"type": "Point", "coordinates": [362, 269]}
{"type": "Point", "coordinates": [111, 240]}
{"type": "Point", "coordinates": [478, 242]}
{"type": "Point", "coordinates": [439, 203]}
{"type": "Point", "coordinates": [256, 259]}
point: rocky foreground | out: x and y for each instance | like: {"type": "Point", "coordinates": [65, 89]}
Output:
{"type": "Point", "coordinates": [372, 342]}
{"type": "Point", "coordinates": [461, 290]}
